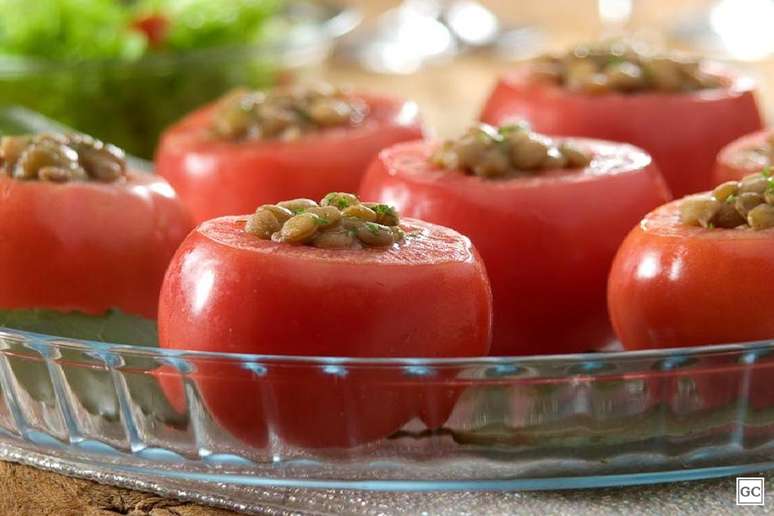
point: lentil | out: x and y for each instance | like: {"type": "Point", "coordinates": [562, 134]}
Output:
{"type": "Point", "coordinates": [340, 221]}
{"type": "Point", "coordinates": [285, 113]}
{"type": "Point", "coordinates": [748, 203]}
{"type": "Point", "coordinates": [510, 151]}
{"type": "Point", "coordinates": [60, 158]}
{"type": "Point", "coordinates": [617, 66]}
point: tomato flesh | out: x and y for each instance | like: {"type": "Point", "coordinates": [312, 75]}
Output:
{"type": "Point", "coordinates": [228, 291]}
{"type": "Point", "coordinates": [735, 161]}
{"type": "Point", "coordinates": [673, 285]}
{"type": "Point", "coordinates": [683, 132]}
{"type": "Point", "coordinates": [88, 246]}
{"type": "Point", "coordinates": [547, 241]}
{"type": "Point", "coordinates": [216, 178]}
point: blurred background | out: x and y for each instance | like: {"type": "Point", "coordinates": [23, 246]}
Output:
{"type": "Point", "coordinates": [123, 70]}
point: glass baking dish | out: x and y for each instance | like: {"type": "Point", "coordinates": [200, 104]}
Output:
{"type": "Point", "coordinates": [503, 422]}
{"type": "Point", "coordinates": [214, 424]}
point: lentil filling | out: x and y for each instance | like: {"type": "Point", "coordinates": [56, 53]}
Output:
{"type": "Point", "coordinates": [748, 203]}
{"type": "Point", "coordinates": [285, 113]}
{"type": "Point", "coordinates": [508, 151]}
{"type": "Point", "coordinates": [762, 153]}
{"type": "Point", "coordinates": [60, 158]}
{"type": "Point", "coordinates": [621, 67]}
{"type": "Point", "coordinates": [339, 221]}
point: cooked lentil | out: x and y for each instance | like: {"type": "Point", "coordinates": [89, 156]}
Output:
{"type": "Point", "coordinates": [508, 151]}
{"type": "Point", "coordinates": [339, 221]}
{"type": "Point", "coordinates": [621, 67]}
{"type": "Point", "coordinates": [748, 203]}
{"type": "Point", "coordinates": [285, 113]}
{"type": "Point", "coordinates": [60, 158]}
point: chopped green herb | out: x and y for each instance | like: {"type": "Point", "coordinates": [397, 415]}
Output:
{"type": "Point", "coordinates": [521, 125]}
{"type": "Point", "coordinates": [372, 228]}
{"type": "Point", "coordinates": [731, 199]}
{"type": "Point", "coordinates": [384, 209]}
{"type": "Point", "coordinates": [766, 172]}
{"type": "Point", "coordinates": [321, 221]}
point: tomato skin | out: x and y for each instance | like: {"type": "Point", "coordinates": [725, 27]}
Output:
{"type": "Point", "coordinates": [733, 165]}
{"type": "Point", "coordinates": [673, 285]}
{"type": "Point", "coordinates": [683, 132]}
{"type": "Point", "coordinates": [236, 293]}
{"type": "Point", "coordinates": [216, 178]}
{"type": "Point", "coordinates": [88, 246]}
{"type": "Point", "coordinates": [547, 241]}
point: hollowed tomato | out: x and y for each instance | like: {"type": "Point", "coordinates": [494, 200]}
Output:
{"type": "Point", "coordinates": [219, 177]}
{"type": "Point", "coordinates": [547, 240]}
{"type": "Point", "coordinates": [743, 157]}
{"type": "Point", "coordinates": [229, 291]}
{"type": "Point", "coordinates": [683, 132]}
{"type": "Point", "coordinates": [88, 246]}
{"type": "Point", "coordinates": [673, 285]}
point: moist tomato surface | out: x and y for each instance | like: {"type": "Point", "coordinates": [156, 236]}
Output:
{"type": "Point", "coordinates": [743, 157]}
{"type": "Point", "coordinates": [683, 132]}
{"type": "Point", "coordinates": [229, 291]}
{"type": "Point", "coordinates": [88, 246]}
{"type": "Point", "coordinates": [547, 240]}
{"type": "Point", "coordinates": [674, 285]}
{"type": "Point", "coordinates": [220, 177]}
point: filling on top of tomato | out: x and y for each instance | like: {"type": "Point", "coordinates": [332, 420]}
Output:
{"type": "Point", "coordinates": [507, 151]}
{"type": "Point", "coordinates": [622, 67]}
{"type": "Point", "coordinates": [748, 203]}
{"type": "Point", "coordinates": [339, 221]}
{"type": "Point", "coordinates": [285, 113]}
{"type": "Point", "coordinates": [60, 158]}
{"type": "Point", "coordinates": [761, 153]}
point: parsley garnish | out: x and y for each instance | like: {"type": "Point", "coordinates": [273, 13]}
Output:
{"type": "Point", "coordinates": [766, 172]}
{"type": "Point", "coordinates": [731, 199]}
{"type": "Point", "coordinates": [372, 228]}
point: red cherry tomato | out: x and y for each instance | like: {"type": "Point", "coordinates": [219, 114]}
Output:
{"type": "Point", "coordinates": [229, 291]}
{"type": "Point", "coordinates": [673, 285]}
{"type": "Point", "coordinates": [738, 159]}
{"type": "Point", "coordinates": [547, 241]}
{"type": "Point", "coordinates": [216, 178]}
{"type": "Point", "coordinates": [88, 246]}
{"type": "Point", "coordinates": [155, 27]}
{"type": "Point", "coordinates": [683, 132]}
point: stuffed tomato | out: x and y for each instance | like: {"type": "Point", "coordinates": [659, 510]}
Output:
{"type": "Point", "coordinates": [697, 271]}
{"type": "Point", "coordinates": [342, 278]}
{"type": "Point", "coordinates": [679, 110]}
{"type": "Point", "coordinates": [80, 231]}
{"type": "Point", "coordinates": [745, 156]}
{"type": "Point", "coordinates": [252, 148]}
{"type": "Point", "coordinates": [546, 215]}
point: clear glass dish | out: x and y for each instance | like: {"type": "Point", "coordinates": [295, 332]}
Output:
{"type": "Point", "coordinates": [129, 104]}
{"type": "Point", "coordinates": [503, 422]}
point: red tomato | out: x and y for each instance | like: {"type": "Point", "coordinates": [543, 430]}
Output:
{"type": "Point", "coordinates": [217, 178]}
{"type": "Point", "coordinates": [673, 285]}
{"type": "Point", "coordinates": [683, 132]}
{"type": "Point", "coordinates": [547, 241]}
{"type": "Point", "coordinates": [228, 291]}
{"type": "Point", "coordinates": [88, 246]}
{"type": "Point", "coordinates": [738, 158]}
{"type": "Point", "coordinates": [155, 27]}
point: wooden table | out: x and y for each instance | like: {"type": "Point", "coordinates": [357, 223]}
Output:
{"type": "Point", "coordinates": [449, 95]}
